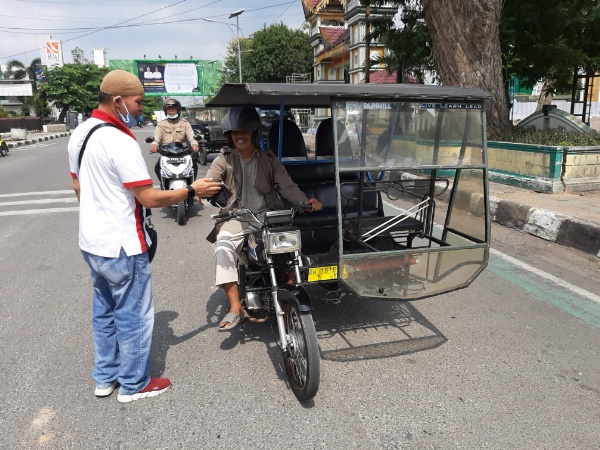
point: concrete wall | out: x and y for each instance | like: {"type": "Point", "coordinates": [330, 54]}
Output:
{"type": "Point", "coordinates": [545, 168]}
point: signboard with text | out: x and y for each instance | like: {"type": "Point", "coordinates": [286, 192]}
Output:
{"type": "Point", "coordinates": [161, 78]}
{"type": "Point", "coordinates": [51, 52]}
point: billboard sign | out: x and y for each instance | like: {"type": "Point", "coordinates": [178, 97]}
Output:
{"type": "Point", "coordinates": [51, 52]}
{"type": "Point", "coordinates": [168, 77]}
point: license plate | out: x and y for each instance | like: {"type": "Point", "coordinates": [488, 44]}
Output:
{"type": "Point", "coordinates": [176, 160]}
{"type": "Point", "coordinates": [322, 273]}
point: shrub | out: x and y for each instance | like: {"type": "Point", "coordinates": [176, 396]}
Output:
{"type": "Point", "coordinates": [556, 137]}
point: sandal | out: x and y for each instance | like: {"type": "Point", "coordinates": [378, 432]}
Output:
{"type": "Point", "coordinates": [233, 320]}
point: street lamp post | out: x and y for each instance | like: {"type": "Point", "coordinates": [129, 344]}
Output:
{"type": "Point", "coordinates": [237, 24]}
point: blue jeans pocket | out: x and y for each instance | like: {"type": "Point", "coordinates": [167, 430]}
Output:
{"type": "Point", "coordinates": [116, 271]}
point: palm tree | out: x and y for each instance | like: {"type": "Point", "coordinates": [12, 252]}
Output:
{"type": "Point", "coordinates": [16, 70]}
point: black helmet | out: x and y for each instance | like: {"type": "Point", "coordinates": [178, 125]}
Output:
{"type": "Point", "coordinates": [172, 102]}
{"type": "Point", "coordinates": [241, 118]}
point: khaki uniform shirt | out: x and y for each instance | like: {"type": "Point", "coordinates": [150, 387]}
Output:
{"type": "Point", "coordinates": [178, 130]}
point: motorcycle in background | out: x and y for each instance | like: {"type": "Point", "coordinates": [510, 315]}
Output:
{"type": "Point", "coordinates": [3, 147]}
{"type": "Point", "coordinates": [176, 172]}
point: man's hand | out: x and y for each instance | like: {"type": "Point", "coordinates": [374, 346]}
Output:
{"type": "Point", "coordinates": [206, 187]}
{"type": "Point", "coordinates": [195, 148]}
{"type": "Point", "coordinates": [153, 148]}
{"type": "Point", "coordinates": [315, 204]}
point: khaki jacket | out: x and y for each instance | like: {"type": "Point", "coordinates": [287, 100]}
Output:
{"type": "Point", "coordinates": [178, 130]}
{"type": "Point", "coordinates": [269, 173]}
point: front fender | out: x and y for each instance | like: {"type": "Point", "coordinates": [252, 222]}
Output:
{"type": "Point", "coordinates": [177, 184]}
{"type": "Point", "coordinates": [297, 294]}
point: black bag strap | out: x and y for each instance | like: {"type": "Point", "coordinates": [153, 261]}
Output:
{"type": "Point", "coordinates": [100, 125]}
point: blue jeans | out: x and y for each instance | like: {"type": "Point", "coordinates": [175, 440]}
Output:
{"type": "Point", "coordinates": [123, 319]}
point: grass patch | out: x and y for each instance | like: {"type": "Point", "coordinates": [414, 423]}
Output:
{"type": "Point", "coordinates": [555, 137]}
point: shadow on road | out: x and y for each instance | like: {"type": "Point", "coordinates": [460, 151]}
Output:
{"type": "Point", "coordinates": [164, 338]}
{"type": "Point", "coordinates": [357, 329]}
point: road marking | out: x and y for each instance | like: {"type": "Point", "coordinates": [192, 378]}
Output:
{"type": "Point", "coordinates": [25, 194]}
{"type": "Point", "coordinates": [547, 276]}
{"type": "Point", "coordinates": [30, 146]}
{"type": "Point", "coordinates": [26, 212]}
{"type": "Point", "coordinates": [41, 201]}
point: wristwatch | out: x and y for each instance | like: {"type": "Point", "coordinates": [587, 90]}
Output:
{"type": "Point", "coordinates": [191, 192]}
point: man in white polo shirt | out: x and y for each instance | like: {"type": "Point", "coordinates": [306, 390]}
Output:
{"type": "Point", "coordinates": [113, 186]}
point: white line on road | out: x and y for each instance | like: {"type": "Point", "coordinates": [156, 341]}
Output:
{"type": "Point", "coordinates": [25, 194]}
{"type": "Point", "coordinates": [547, 276]}
{"type": "Point", "coordinates": [38, 211]}
{"type": "Point", "coordinates": [42, 201]}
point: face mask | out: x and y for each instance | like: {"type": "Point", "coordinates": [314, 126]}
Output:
{"type": "Point", "coordinates": [129, 120]}
{"type": "Point", "coordinates": [172, 116]}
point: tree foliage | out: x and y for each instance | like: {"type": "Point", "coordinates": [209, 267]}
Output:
{"type": "Point", "coordinates": [79, 56]}
{"type": "Point", "coordinates": [73, 86]}
{"type": "Point", "coordinates": [408, 41]}
{"type": "Point", "coordinates": [17, 70]}
{"type": "Point", "coordinates": [270, 56]}
{"type": "Point", "coordinates": [547, 39]}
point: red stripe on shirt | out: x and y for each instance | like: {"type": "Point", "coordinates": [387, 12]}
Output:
{"type": "Point", "coordinates": [73, 175]}
{"type": "Point", "coordinates": [139, 225]}
{"type": "Point", "coordinates": [137, 183]}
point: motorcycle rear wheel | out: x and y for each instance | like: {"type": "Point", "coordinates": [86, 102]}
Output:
{"type": "Point", "coordinates": [3, 149]}
{"type": "Point", "coordinates": [302, 361]}
{"type": "Point", "coordinates": [181, 212]}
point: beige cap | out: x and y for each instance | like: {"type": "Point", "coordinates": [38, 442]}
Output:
{"type": "Point", "coordinates": [119, 82]}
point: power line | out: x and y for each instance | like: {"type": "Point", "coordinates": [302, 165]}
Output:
{"type": "Point", "coordinates": [105, 28]}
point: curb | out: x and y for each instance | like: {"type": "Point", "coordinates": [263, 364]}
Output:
{"type": "Point", "coordinates": [36, 140]}
{"type": "Point", "coordinates": [564, 230]}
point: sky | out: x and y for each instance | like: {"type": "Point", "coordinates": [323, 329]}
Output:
{"type": "Point", "coordinates": [134, 28]}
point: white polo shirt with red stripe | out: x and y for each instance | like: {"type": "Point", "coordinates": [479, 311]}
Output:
{"type": "Point", "coordinates": [110, 217]}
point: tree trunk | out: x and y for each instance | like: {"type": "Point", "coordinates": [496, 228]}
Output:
{"type": "Point", "coordinates": [466, 48]}
{"type": "Point", "coordinates": [545, 97]}
{"type": "Point", "coordinates": [63, 114]}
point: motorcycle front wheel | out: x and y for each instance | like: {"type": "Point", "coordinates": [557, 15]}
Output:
{"type": "Point", "coordinates": [181, 212]}
{"type": "Point", "coordinates": [203, 156]}
{"type": "Point", "coordinates": [302, 362]}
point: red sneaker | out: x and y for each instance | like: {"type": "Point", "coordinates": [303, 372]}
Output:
{"type": "Point", "coordinates": [156, 387]}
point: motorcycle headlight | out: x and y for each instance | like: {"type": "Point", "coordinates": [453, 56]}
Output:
{"type": "Point", "coordinates": [165, 171]}
{"type": "Point", "coordinates": [283, 242]}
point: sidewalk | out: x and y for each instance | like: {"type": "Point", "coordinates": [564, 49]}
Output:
{"type": "Point", "coordinates": [33, 137]}
{"type": "Point", "coordinates": [572, 220]}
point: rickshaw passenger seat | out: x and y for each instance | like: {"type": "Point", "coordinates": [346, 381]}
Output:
{"type": "Point", "coordinates": [325, 140]}
{"type": "Point", "coordinates": [293, 144]}
{"type": "Point", "coordinates": [318, 181]}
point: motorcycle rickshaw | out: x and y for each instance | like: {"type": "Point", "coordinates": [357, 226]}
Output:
{"type": "Point", "coordinates": [206, 123]}
{"type": "Point", "coordinates": [401, 172]}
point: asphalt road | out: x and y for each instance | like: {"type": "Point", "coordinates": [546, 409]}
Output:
{"type": "Point", "coordinates": [513, 361]}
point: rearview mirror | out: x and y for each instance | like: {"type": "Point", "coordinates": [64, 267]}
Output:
{"type": "Point", "coordinates": [149, 139]}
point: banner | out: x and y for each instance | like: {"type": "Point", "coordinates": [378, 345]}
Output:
{"type": "Point", "coordinates": [168, 77]}
{"type": "Point", "coordinates": [40, 75]}
{"type": "Point", "coordinates": [162, 78]}
{"type": "Point", "coordinates": [51, 52]}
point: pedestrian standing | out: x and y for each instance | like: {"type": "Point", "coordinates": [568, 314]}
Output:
{"type": "Point", "coordinates": [113, 186]}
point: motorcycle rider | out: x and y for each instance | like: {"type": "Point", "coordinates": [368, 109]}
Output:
{"type": "Point", "coordinates": [251, 176]}
{"type": "Point", "coordinates": [174, 129]}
